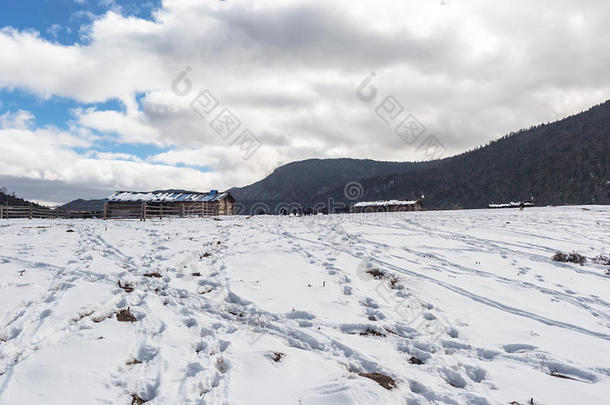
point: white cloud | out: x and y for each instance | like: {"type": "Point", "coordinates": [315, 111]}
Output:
{"type": "Point", "coordinates": [54, 30]}
{"type": "Point", "coordinates": [20, 119]}
{"type": "Point", "coordinates": [114, 156]}
{"type": "Point", "coordinates": [47, 154]}
{"type": "Point", "coordinates": [131, 128]}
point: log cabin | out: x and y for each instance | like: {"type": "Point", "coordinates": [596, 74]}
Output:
{"type": "Point", "coordinates": [512, 204]}
{"type": "Point", "coordinates": [160, 203]}
{"type": "Point", "coordinates": [387, 206]}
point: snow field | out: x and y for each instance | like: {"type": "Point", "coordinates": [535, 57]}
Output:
{"type": "Point", "coordinates": [457, 307]}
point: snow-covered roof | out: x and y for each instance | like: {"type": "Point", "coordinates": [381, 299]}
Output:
{"type": "Point", "coordinates": [384, 203]}
{"type": "Point", "coordinates": [167, 196]}
{"type": "Point", "coordinates": [511, 204]}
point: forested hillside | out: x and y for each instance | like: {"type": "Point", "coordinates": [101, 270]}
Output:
{"type": "Point", "coordinates": [565, 162]}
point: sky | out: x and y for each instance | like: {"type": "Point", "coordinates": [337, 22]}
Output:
{"type": "Point", "coordinates": [103, 95]}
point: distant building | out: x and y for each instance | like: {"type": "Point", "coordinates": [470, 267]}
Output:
{"type": "Point", "coordinates": [387, 206]}
{"type": "Point", "coordinates": [512, 204]}
{"type": "Point", "coordinates": [141, 205]}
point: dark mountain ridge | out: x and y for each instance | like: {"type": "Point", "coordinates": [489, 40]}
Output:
{"type": "Point", "coordinates": [7, 198]}
{"type": "Point", "coordinates": [83, 205]}
{"type": "Point", "coordinates": [312, 179]}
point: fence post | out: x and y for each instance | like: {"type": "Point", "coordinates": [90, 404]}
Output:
{"type": "Point", "coordinates": [181, 210]}
{"type": "Point", "coordinates": [144, 210]}
{"type": "Point", "coordinates": [105, 210]}
{"type": "Point", "coordinates": [31, 210]}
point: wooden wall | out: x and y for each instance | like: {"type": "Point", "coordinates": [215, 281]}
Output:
{"type": "Point", "coordinates": [144, 210]}
{"type": "Point", "coordinates": [389, 208]}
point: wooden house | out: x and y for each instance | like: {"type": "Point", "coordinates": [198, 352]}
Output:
{"type": "Point", "coordinates": [387, 206]}
{"type": "Point", "coordinates": [512, 204]}
{"type": "Point", "coordinates": [143, 205]}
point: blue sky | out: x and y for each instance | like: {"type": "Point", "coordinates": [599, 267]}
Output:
{"type": "Point", "coordinates": [66, 22]}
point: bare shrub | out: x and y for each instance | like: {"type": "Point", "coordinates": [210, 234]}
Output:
{"type": "Point", "coordinates": [569, 258]}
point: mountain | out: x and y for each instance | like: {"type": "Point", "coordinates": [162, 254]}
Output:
{"type": "Point", "coordinates": [565, 162]}
{"type": "Point", "coordinates": [312, 180]}
{"type": "Point", "coordinates": [83, 205]}
{"type": "Point", "coordinates": [10, 199]}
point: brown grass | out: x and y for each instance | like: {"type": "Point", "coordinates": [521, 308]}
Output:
{"type": "Point", "coordinates": [373, 332]}
{"type": "Point", "coordinates": [385, 381]}
{"type": "Point", "coordinates": [240, 315]}
{"type": "Point", "coordinates": [136, 400]}
{"type": "Point", "coordinates": [558, 375]}
{"type": "Point", "coordinates": [376, 273]}
{"type": "Point", "coordinates": [569, 257]}
{"type": "Point", "coordinates": [601, 259]}
{"type": "Point", "coordinates": [127, 287]}
{"type": "Point", "coordinates": [124, 315]}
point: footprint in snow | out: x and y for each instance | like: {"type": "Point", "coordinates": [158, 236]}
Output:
{"type": "Point", "coordinates": [192, 369]}
{"type": "Point", "coordinates": [300, 315]}
{"type": "Point", "coordinates": [518, 348]}
{"type": "Point", "coordinates": [453, 377]}
{"type": "Point", "coordinates": [475, 373]}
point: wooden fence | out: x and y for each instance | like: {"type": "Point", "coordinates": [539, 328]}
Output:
{"type": "Point", "coordinates": [27, 211]}
{"type": "Point", "coordinates": [31, 211]}
{"type": "Point", "coordinates": [143, 210]}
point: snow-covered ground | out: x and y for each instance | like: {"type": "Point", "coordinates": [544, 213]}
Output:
{"type": "Point", "coordinates": [293, 310]}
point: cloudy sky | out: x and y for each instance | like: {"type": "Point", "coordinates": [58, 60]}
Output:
{"type": "Point", "coordinates": [97, 95]}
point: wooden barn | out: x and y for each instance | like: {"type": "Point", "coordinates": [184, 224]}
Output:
{"type": "Point", "coordinates": [387, 206]}
{"type": "Point", "coordinates": [512, 204]}
{"type": "Point", "coordinates": [161, 203]}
